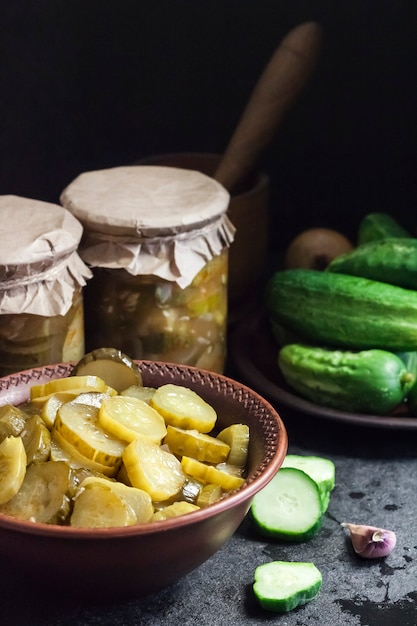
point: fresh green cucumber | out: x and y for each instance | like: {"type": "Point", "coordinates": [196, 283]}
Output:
{"type": "Point", "coordinates": [376, 226]}
{"type": "Point", "coordinates": [369, 381]}
{"type": "Point", "coordinates": [320, 469]}
{"type": "Point", "coordinates": [343, 311]}
{"type": "Point", "coordinates": [289, 507]}
{"type": "Point", "coordinates": [392, 260]}
{"type": "Point", "coordinates": [281, 586]}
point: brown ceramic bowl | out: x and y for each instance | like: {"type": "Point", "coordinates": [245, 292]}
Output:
{"type": "Point", "coordinates": [118, 563]}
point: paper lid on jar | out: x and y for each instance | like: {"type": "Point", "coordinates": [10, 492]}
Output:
{"type": "Point", "coordinates": [39, 264]}
{"type": "Point", "coordinates": [32, 231]}
{"type": "Point", "coordinates": [146, 200]}
{"type": "Point", "coordinates": [151, 220]}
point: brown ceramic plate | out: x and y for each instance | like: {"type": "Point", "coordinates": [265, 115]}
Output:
{"type": "Point", "coordinates": [253, 353]}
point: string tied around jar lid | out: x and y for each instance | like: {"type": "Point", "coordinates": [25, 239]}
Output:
{"type": "Point", "coordinates": [177, 258]}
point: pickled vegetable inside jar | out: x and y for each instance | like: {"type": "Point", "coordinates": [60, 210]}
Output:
{"type": "Point", "coordinates": [41, 282]}
{"type": "Point", "coordinates": [157, 239]}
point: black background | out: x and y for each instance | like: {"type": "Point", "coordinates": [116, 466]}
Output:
{"type": "Point", "coordinates": [87, 84]}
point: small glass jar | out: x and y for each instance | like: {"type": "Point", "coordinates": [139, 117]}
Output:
{"type": "Point", "coordinates": [157, 239]}
{"type": "Point", "coordinates": [41, 283]}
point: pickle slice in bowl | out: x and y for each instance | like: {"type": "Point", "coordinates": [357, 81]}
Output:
{"type": "Point", "coordinates": [128, 418]}
{"type": "Point", "coordinates": [153, 469]}
{"type": "Point", "coordinates": [42, 496]}
{"type": "Point", "coordinates": [198, 445]}
{"type": "Point", "coordinates": [12, 467]}
{"type": "Point", "coordinates": [111, 365]}
{"type": "Point", "coordinates": [103, 503]}
{"type": "Point", "coordinates": [237, 437]}
{"type": "Point", "coordinates": [78, 425]}
{"type": "Point", "coordinates": [79, 384]}
{"type": "Point", "coordinates": [184, 408]}
{"type": "Point", "coordinates": [36, 438]}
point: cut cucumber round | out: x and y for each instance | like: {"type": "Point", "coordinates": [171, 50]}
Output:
{"type": "Point", "coordinates": [289, 507]}
{"type": "Point", "coordinates": [320, 469]}
{"type": "Point", "coordinates": [282, 586]}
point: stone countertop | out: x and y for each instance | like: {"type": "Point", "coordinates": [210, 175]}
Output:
{"type": "Point", "coordinates": [376, 478]}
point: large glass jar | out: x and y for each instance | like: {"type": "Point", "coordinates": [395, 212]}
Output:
{"type": "Point", "coordinates": [157, 240]}
{"type": "Point", "coordinates": [41, 283]}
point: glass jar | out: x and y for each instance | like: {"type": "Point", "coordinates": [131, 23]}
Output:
{"type": "Point", "coordinates": [157, 239]}
{"type": "Point", "coordinates": [41, 283]}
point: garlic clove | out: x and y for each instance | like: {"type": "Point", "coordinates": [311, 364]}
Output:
{"type": "Point", "coordinates": [371, 542]}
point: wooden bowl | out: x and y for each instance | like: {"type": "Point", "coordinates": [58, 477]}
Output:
{"type": "Point", "coordinates": [118, 563]}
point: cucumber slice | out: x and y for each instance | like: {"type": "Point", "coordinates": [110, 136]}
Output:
{"type": "Point", "coordinates": [282, 586]}
{"type": "Point", "coordinates": [320, 469]}
{"type": "Point", "coordinates": [289, 507]}
{"type": "Point", "coordinates": [117, 369]}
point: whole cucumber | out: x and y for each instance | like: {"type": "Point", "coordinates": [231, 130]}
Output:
{"type": "Point", "coordinates": [392, 260]}
{"type": "Point", "coordinates": [380, 226]}
{"type": "Point", "coordinates": [368, 381]}
{"type": "Point", "coordinates": [343, 311]}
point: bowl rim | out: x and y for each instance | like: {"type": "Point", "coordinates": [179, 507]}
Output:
{"type": "Point", "coordinates": [242, 495]}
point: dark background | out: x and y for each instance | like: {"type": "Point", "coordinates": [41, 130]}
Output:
{"type": "Point", "coordinates": [87, 84]}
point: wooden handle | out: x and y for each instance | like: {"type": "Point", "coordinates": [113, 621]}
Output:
{"type": "Point", "coordinates": [281, 82]}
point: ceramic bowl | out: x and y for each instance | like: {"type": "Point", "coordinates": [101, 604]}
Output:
{"type": "Point", "coordinates": [119, 563]}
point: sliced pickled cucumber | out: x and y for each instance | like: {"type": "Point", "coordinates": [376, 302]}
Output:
{"type": "Point", "coordinates": [79, 384]}
{"type": "Point", "coordinates": [151, 468]}
{"type": "Point", "coordinates": [174, 510]}
{"type": "Point", "coordinates": [129, 418]}
{"type": "Point", "coordinates": [99, 506]}
{"type": "Point", "coordinates": [92, 398]}
{"type": "Point", "coordinates": [234, 470]}
{"type": "Point", "coordinates": [36, 438]}
{"type": "Point", "coordinates": [237, 437]}
{"type": "Point", "coordinates": [210, 474]}
{"type": "Point", "coordinates": [117, 369]}
{"type": "Point", "coordinates": [137, 391]}
{"type": "Point", "coordinates": [49, 405]}
{"type": "Point", "coordinates": [184, 408]}
{"type": "Point", "coordinates": [42, 496]}
{"type": "Point", "coordinates": [190, 490]}
{"type": "Point", "coordinates": [138, 501]}
{"type": "Point", "coordinates": [12, 421]}
{"type": "Point", "coordinates": [78, 425]}
{"type": "Point", "coordinates": [62, 450]}
{"type": "Point", "coordinates": [200, 446]}
{"type": "Point", "coordinates": [122, 476]}
{"type": "Point", "coordinates": [209, 494]}
{"type": "Point", "coordinates": [12, 467]}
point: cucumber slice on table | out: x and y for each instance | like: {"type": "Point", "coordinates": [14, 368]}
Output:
{"type": "Point", "coordinates": [320, 469]}
{"type": "Point", "coordinates": [289, 507]}
{"type": "Point", "coordinates": [282, 586]}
